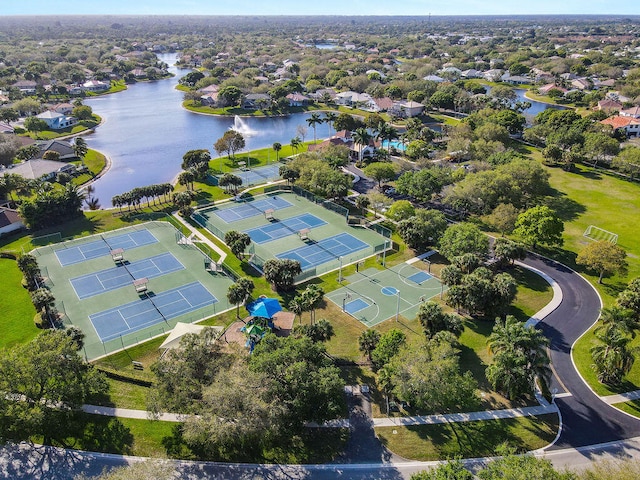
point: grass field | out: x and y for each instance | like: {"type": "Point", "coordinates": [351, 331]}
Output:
{"type": "Point", "coordinates": [16, 321]}
{"type": "Point", "coordinates": [472, 439]}
{"type": "Point", "coordinates": [594, 197]}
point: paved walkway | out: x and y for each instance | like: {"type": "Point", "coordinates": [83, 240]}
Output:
{"type": "Point", "coordinates": [202, 238]}
{"type": "Point", "coordinates": [621, 397]}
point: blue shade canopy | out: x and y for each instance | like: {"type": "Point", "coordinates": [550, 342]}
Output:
{"type": "Point", "coordinates": [264, 307]}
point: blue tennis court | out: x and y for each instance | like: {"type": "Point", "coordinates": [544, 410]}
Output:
{"type": "Point", "coordinates": [105, 280]}
{"type": "Point", "coordinates": [248, 209]}
{"type": "Point", "coordinates": [420, 277]}
{"type": "Point", "coordinates": [102, 247]}
{"type": "Point", "coordinates": [259, 175]}
{"type": "Point", "coordinates": [284, 228]}
{"type": "Point", "coordinates": [354, 306]}
{"type": "Point", "coordinates": [324, 250]}
{"type": "Point", "coordinates": [134, 316]}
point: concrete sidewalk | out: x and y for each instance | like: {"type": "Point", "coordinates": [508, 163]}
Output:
{"type": "Point", "coordinates": [466, 417]}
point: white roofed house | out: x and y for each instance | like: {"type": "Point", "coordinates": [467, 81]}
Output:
{"type": "Point", "coordinates": [96, 86]}
{"type": "Point", "coordinates": [407, 109]}
{"type": "Point", "coordinates": [57, 121]}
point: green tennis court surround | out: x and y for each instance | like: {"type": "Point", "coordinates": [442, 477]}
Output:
{"type": "Point", "coordinates": [99, 296]}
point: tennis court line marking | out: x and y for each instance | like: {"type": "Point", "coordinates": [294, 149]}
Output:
{"type": "Point", "coordinates": [124, 319]}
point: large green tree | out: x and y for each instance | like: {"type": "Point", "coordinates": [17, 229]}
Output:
{"type": "Point", "coordinates": [281, 273]}
{"type": "Point", "coordinates": [424, 229]}
{"type": "Point", "coordinates": [44, 384]}
{"type": "Point", "coordinates": [463, 238]}
{"type": "Point", "coordinates": [539, 225]}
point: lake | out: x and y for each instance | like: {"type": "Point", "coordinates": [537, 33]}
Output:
{"type": "Point", "coordinates": [146, 132]}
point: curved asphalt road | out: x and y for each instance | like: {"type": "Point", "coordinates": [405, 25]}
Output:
{"type": "Point", "coordinates": [586, 420]}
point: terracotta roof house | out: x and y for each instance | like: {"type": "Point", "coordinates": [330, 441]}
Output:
{"type": "Point", "coordinates": [630, 125]}
{"type": "Point", "coordinates": [384, 103]}
{"type": "Point", "coordinates": [550, 86]}
{"type": "Point", "coordinates": [10, 220]}
{"type": "Point", "coordinates": [609, 105]}
{"type": "Point", "coordinates": [63, 108]}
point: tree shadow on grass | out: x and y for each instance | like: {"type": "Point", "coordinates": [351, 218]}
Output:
{"type": "Point", "coordinates": [566, 208]}
{"type": "Point", "coordinates": [98, 433]}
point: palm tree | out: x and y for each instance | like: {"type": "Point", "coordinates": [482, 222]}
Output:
{"type": "Point", "coordinates": [295, 143]}
{"type": "Point", "coordinates": [313, 122]}
{"type": "Point", "coordinates": [80, 148]}
{"type": "Point", "coordinates": [239, 291]}
{"type": "Point", "coordinates": [368, 341]}
{"type": "Point", "coordinates": [362, 203]}
{"type": "Point", "coordinates": [312, 298]}
{"type": "Point", "coordinates": [43, 300]}
{"type": "Point", "coordinates": [329, 118]}
{"type": "Point", "coordinates": [362, 137]}
{"type": "Point", "coordinates": [612, 358]}
{"type": "Point", "coordinates": [512, 335]}
{"type": "Point", "coordinates": [277, 147]}
{"type": "Point", "coordinates": [618, 317]}
{"type": "Point", "coordinates": [387, 132]}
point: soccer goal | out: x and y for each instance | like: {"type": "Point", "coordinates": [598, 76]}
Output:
{"type": "Point", "coordinates": [599, 234]}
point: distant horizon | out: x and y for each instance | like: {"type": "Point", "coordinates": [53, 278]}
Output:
{"type": "Point", "coordinates": [362, 8]}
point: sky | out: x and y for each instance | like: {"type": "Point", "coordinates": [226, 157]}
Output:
{"type": "Point", "coordinates": [322, 7]}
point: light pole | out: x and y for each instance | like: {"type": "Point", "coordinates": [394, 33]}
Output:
{"type": "Point", "coordinates": [340, 272]}
{"type": "Point", "coordinates": [398, 305]}
{"type": "Point", "coordinates": [384, 254]}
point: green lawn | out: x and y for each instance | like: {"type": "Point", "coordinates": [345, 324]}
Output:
{"type": "Point", "coordinates": [473, 439]}
{"type": "Point", "coordinates": [95, 162]}
{"type": "Point", "coordinates": [16, 321]}
{"type": "Point", "coordinates": [595, 197]}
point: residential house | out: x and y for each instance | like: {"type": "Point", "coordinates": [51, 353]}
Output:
{"type": "Point", "coordinates": [6, 128]}
{"type": "Point", "coordinates": [471, 73]}
{"type": "Point", "coordinates": [515, 79]}
{"type": "Point", "coordinates": [63, 108]}
{"type": "Point", "coordinates": [617, 96]}
{"type": "Point", "coordinates": [633, 112]}
{"type": "Point", "coordinates": [209, 99]}
{"type": "Point", "coordinates": [581, 84]}
{"type": "Point", "coordinates": [353, 99]}
{"type": "Point", "coordinates": [383, 104]}
{"type": "Point", "coordinates": [137, 73]}
{"type": "Point", "coordinates": [630, 125]}
{"type": "Point", "coordinates": [493, 75]}
{"type": "Point", "coordinates": [63, 148]}
{"type": "Point", "coordinates": [298, 100]}
{"type": "Point", "coordinates": [57, 121]}
{"type": "Point", "coordinates": [544, 90]}
{"type": "Point", "coordinates": [96, 86]}
{"type": "Point", "coordinates": [44, 169]}
{"type": "Point", "coordinates": [407, 109]}
{"type": "Point", "coordinates": [256, 101]}
{"type": "Point", "coordinates": [609, 105]}
{"type": "Point", "coordinates": [10, 221]}
{"type": "Point", "coordinates": [26, 86]}
{"type": "Point", "coordinates": [608, 83]}
{"type": "Point", "coordinates": [434, 78]}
